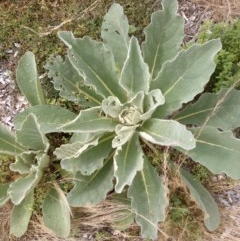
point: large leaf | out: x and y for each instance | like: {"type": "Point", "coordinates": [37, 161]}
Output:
{"type": "Point", "coordinates": [181, 79]}
{"type": "Point", "coordinates": [8, 143]}
{"type": "Point", "coordinates": [69, 82]}
{"type": "Point", "coordinates": [90, 120]}
{"type": "Point", "coordinates": [149, 199]}
{"type": "Point", "coordinates": [56, 212]}
{"type": "Point", "coordinates": [216, 150]}
{"type": "Point", "coordinates": [204, 200]}
{"type": "Point", "coordinates": [27, 79]}
{"type": "Point", "coordinates": [21, 215]}
{"type": "Point", "coordinates": [92, 189]}
{"type": "Point", "coordinates": [135, 76]}
{"type": "Point", "coordinates": [167, 133]}
{"type": "Point", "coordinates": [164, 36]}
{"type": "Point", "coordinates": [219, 110]}
{"type": "Point", "coordinates": [49, 117]}
{"type": "Point", "coordinates": [115, 33]}
{"type": "Point", "coordinates": [30, 135]}
{"type": "Point", "coordinates": [128, 160]}
{"type": "Point", "coordinates": [4, 197]}
{"type": "Point", "coordinates": [95, 63]}
{"type": "Point", "coordinates": [89, 159]}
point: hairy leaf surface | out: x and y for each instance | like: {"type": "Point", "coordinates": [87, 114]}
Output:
{"type": "Point", "coordinates": [95, 63]}
{"type": "Point", "coordinates": [90, 159]}
{"type": "Point", "coordinates": [216, 150]}
{"type": "Point", "coordinates": [8, 143]}
{"type": "Point", "coordinates": [181, 79]}
{"type": "Point", "coordinates": [167, 133]}
{"type": "Point", "coordinates": [115, 33]}
{"type": "Point", "coordinates": [135, 76]}
{"type": "Point", "coordinates": [69, 82]}
{"type": "Point", "coordinates": [90, 120]}
{"type": "Point", "coordinates": [30, 135]}
{"type": "Point", "coordinates": [164, 36]}
{"type": "Point", "coordinates": [49, 117]}
{"type": "Point", "coordinates": [149, 200]}
{"type": "Point", "coordinates": [56, 212]}
{"type": "Point", "coordinates": [21, 215]}
{"type": "Point", "coordinates": [220, 110]}
{"type": "Point", "coordinates": [27, 79]}
{"type": "Point", "coordinates": [204, 200]}
{"type": "Point", "coordinates": [128, 160]}
{"type": "Point", "coordinates": [92, 189]}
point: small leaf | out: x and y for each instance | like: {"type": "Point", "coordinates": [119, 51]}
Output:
{"type": "Point", "coordinates": [220, 110]}
{"type": "Point", "coordinates": [135, 75]}
{"type": "Point", "coordinates": [91, 158]}
{"type": "Point", "coordinates": [123, 134]}
{"type": "Point", "coordinates": [30, 135]}
{"type": "Point", "coordinates": [216, 150]}
{"type": "Point", "coordinates": [181, 79]}
{"type": "Point", "coordinates": [21, 215]}
{"type": "Point", "coordinates": [95, 63]}
{"type": "Point", "coordinates": [151, 101]}
{"type": "Point", "coordinates": [23, 162]}
{"type": "Point", "coordinates": [89, 120]}
{"type": "Point", "coordinates": [92, 189]}
{"type": "Point", "coordinates": [112, 107]}
{"type": "Point", "coordinates": [69, 82]}
{"type": "Point", "coordinates": [56, 213]}
{"type": "Point", "coordinates": [27, 79]}
{"type": "Point", "coordinates": [23, 185]}
{"type": "Point", "coordinates": [8, 143]}
{"type": "Point", "coordinates": [164, 36]}
{"type": "Point", "coordinates": [128, 159]}
{"type": "Point", "coordinates": [49, 117]}
{"type": "Point", "coordinates": [114, 33]}
{"type": "Point", "coordinates": [4, 197]}
{"type": "Point", "coordinates": [204, 200]}
{"type": "Point", "coordinates": [167, 133]}
{"type": "Point", "coordinates": [149, 200]}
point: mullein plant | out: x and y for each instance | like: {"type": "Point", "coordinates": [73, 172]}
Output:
{"type": "Point", "coordinates": [137, 105]}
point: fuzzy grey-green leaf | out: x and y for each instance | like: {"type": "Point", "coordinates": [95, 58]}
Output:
{"type": "Point", "coordinates": [149, 199]}
{"type": "Point", "coordinates": [167, 133]}
{"type": "Point", "coordinates": [181, 79]}
{"type": "Point", "coordinates": [8, 142]}
{"type": "Point", "coordinates": [219, 151]}
{"type": "Point", "coordinates": [49, 117]}
{"type": "Point", "coordinates": [27, 79]}
{"type": "Point", "coordinates": [90, 120]}
{"type": "Point", "coordinates": [21, 215]}
{"type": "Point", "coordinates": [95, 63]}
{"type": "Point", "coordinates": [164, 36]}
{"type": "Point", "coordinates": [56, 212]}
{"type": "Point", "coordinates": [135, 76]}
{"type": "Point", "coordinates": [220, 110]}
{"type": "Point", "coordinates": [203, 199]}
{"type": "Point", "coordinates": [92, 189]}
{"type": "Point", "coordinates": [70, 83]}
{"type": "Point", "coordinates": [128, 160]}
{"type": "Point", "coordinates": [30, 135]}
{"type": "Point", "coordinates": [114, 33]}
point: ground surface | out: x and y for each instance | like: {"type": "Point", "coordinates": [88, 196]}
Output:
{"type": "Point", "coordinates": [227, 195]}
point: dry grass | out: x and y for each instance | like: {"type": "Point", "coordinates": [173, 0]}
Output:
{"type": "Point", "coordinates": [222, 10]}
